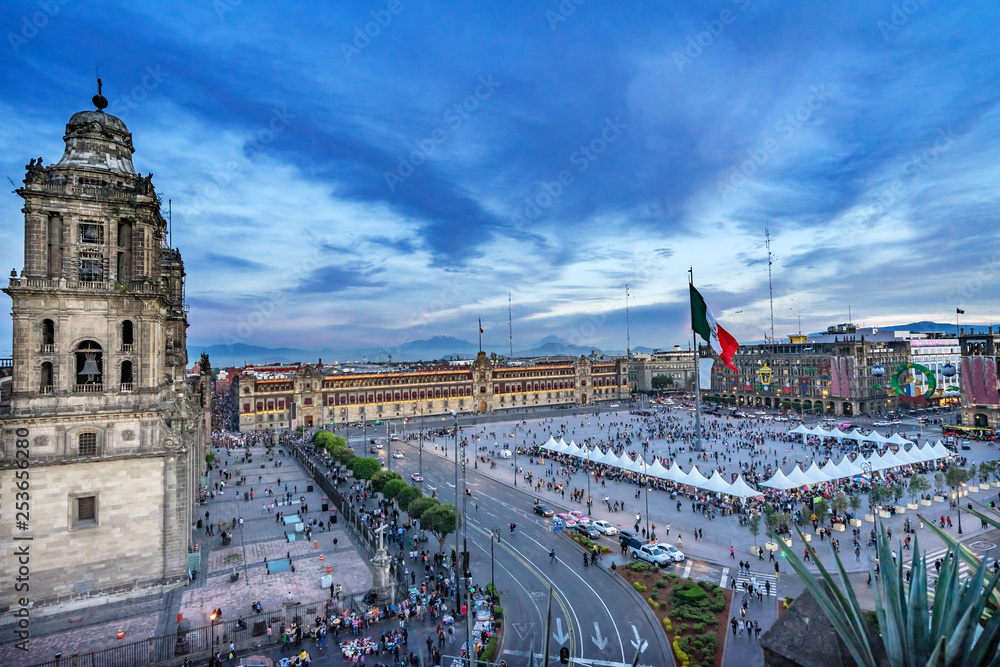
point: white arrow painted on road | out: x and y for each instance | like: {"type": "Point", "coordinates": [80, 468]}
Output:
{"type": "Point", "coordinates": [598, 641]}
{"type": "Point", "coordinates": [558, 634]}
{"type": "Point", "coordinates": [638, 643]}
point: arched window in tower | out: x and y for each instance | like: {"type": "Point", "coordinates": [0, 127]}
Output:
{"type": "Point", "coordinates": [126, 379]}
{"type": "Point", "coordinates": [124, 251]}
{"type": "Point", "coordinates": [45, 385]}
{"type": "Point", "coordinates": [89, 367]}
{"type": "Point", "coordinates": [127, 336]}
{"type": "Point", "coordinates": [55, 246]}
{"type": "Point", "coordinates": [48, 336]}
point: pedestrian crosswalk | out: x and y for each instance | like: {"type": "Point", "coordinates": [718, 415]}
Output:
{"type": "Point", "coordinates": [758, 578]}
{"type": "Point", "coordinates": [930, 557]}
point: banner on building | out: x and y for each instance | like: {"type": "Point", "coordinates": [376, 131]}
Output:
{"type": "Point", "coordinates": [705, 373]}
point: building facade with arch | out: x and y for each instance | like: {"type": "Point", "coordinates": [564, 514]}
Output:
{"type": "Point", "coordinates": [111, 433]}
{"type": "Point", "coordinates": [313, 396]}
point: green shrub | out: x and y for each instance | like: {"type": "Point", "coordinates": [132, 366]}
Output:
{"type": "Point", "coordinates": [639, 587]}
{"type": "Point", "coordinates": [653, 603]}
{"type": "Point", "coordinates": [498, 614]}
{"type": "Point", "coordinates": [490, 652]}
{"type": "Point", "coordinates": [698, 627]}
{"type": "Point", "coordinates": [667, 625]}
{"type": "Point", "coordinates": [661, 582]}
{"type": "Point", "coordinates": [671, 576]}
{"type": "Point", "coordinates": [718, 602]}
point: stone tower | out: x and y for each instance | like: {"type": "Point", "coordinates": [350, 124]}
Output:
{"type": "Point", "coordinates": [101, 414]}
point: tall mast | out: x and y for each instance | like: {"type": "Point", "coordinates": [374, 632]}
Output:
{"type": "Point", "coordinates": [696, 441]}
{"type": "Point", "coordinates": [510, 326]}
{"type": "Point", "coordinates": [628, 338]}
{"type": "Point", "coordinates": [770, 288]}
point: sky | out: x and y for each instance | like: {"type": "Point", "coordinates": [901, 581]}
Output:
{"type": "Point", "coordinates": [347, 174]}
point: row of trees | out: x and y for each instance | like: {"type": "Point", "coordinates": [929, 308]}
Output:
{"type": "Point", "coordinates": [436, 518]}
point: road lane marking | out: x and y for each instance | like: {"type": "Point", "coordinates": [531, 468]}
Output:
{"type": "Point", "coordinates": [725, 573]}
{"type": "Point", "coordinates": [687, 570]}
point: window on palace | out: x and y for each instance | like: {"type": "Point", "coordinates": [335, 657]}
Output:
{"type": "Point", "coordinates": [270, 405]}
{"type": "Point", "coordinates": [246, 407]}
{"type": "Point", "coordinates": [260, 406]}
{"type": "Point", "coordinates": [281, 405]}
{"type": "Point", "coordinates": [87, 443]}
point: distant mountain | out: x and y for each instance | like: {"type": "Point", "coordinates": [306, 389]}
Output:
{"type": "Point", "coordinates": [238, 354]}
{"type": "Point", "coordinates": [437, 347]}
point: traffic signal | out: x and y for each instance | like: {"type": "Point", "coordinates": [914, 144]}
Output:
{"type": "Point", "coordinates": [564, 656]}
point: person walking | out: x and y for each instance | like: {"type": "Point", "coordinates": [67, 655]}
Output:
{"type": "Point", "coordinates": [732, 554]}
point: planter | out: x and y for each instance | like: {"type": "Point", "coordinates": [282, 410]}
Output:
{"type": "Point", "coordinates": [856, 523]}
{"type": "Point", "coordinates": [771, 546]}
{"type": "Point", "coordinates": [984, 485]}
{"type": "Point", "coordinates": [807, 536]}
{"type": "Point", "coordinates": [925, 503]}
{"type": "Point", "coordinates": [912, 506]}
{"type": "Point", "coordinates": [972, 488]}
{"type": "Point", "coordinates": [883, 514]}
{"type": "Point", "coordinates": [900, 509]}
{"type": "Point", "coordinates": [839, 527]}
{"type": "Point", "coordinates": [939, 499]}
{"type": "Point", "coordinates": [870, 518]}
{"type": "Point", "coordinates": [755, 551]}
{"type": "Point", "coordinates": [787, 540]}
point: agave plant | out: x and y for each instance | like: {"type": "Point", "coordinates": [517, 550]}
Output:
{"type": "Point", "coordinates": [990, 516]}
{"type": "Point", "coordinates": [914, 628]}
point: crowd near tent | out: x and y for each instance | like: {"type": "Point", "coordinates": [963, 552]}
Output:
{"type": "Point", "coordinates": [814, 474]}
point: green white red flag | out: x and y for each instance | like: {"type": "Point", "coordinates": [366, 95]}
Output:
{"type": "Point", "coordinates": [703, 323]}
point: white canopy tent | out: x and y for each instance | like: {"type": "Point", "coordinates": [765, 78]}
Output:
{"type": "Point", "coordinates": [799, 478]}
{"type": "Point", "coordinates": [695, 478]}
{"type": "Point", "coordinates": [656, 469]}
{"type": "Point", "coordinates": [850, 467]}
{"type": "Point", "coordinates": [779, 481]}
{"type": "Point", "coordinates": [742, 489]}
{"type": "Point", "coordinates": [940, 451]}
{"type": "Point", "coordinates": [675, 474]}
{"type": "Point", "coordinates": [831, 470]}
{"type": "Point", "coordinates": [897, 439]}
{"type": "Point", "coordinates": [717, 483]}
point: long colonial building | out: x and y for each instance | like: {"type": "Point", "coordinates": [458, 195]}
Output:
{"type": "Point", "coordinates": [981, 388]}
{"type": "Point", "coordinates": [101, 431]}
{"type": "Point", "coordinates": [309, 396]}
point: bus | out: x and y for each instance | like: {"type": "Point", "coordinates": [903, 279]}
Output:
{"type": "Point", "coordinates": [969, 432]}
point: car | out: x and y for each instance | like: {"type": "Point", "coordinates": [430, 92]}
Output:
{"type": "Point", "coordinates": [605, 527]}
{"type": "Point", "coordinates": [587, 530]}
{"type": "Point", "coordinates": [397, 454]}
{"type": "Point", "coordinates": [614, 405]}
{"type": "Point", "coordinates": [781, 419]}
{"type": "Point", "coordinates": [576, 513]}
{"type": "Point", "coordinates": [395, 437]}
{"type": "Point", "coordinates": [675, 554]}
{"type": "Point", "coordinates": [505, 454]}
{"type": "Point", "coordinates": [583, 520]}
{"type": "Point", "coordinates": [881, 423]}
{"type": "Point", "coordinates": [417, 477]}
{"type": "Point", "coordinates": [378, 445]}
{"type": "Point", "coordinates": [373, 450]}
{"type": "Point", "coordinates": [650, 553]}
{"type": "Point", "coordinates": [626, 538]}
{"type": "Point", "coordinates": [543, 509]}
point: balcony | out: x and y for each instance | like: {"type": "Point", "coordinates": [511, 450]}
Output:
{"type": "Point", "coordinates": [127, 348]}
{"type": "Point", "coordinates": [135, 287]}
{"type": "Point", "coordinates": [48, 349]}
{"type": "Point", "coordinates": [126, 387]}
{"type": "Point", "coordinates": [88, 389]}
{"type": "Point", "coordinates": [47, 389]}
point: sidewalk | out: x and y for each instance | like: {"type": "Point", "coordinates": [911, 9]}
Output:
{"type": "Point", "coordinates": [95, 628]}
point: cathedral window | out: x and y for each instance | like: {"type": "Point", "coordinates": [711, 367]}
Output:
{"type": "Point", "coordinates": [89, 364]}
{"type": "Point", "coordinates": [91, 232]}
{"type": "Point", "coordinates": [87, 444]}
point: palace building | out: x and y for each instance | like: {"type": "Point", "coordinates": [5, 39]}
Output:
{"type": "Point", "coordinates": [100, 425]}
{"type": "Point", "coordinates": [312, 395]}
{"type": "Point", "coordinates": [980, 388]}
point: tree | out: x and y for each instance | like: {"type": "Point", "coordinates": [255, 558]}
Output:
{"type": "Point", "coordinates": [938, 481]}
{"type": "Point", "coordinates": [383, 477]}
{"type": "Point", "coordinates": [820, 510]}
{"type": "Point", "coordinates": [956, 477]}
{"type": "Point", "coordinates": [408, 496]}
{"type": "Point", "coordinates": [855, 503]}
{"type": "Point", "coordinates": [441, 521]}
{"type": "Point", "coordinates": [986, 468]}
{"type": "Point", "coordinates": [365, 468]}
{"type": "Point", "coordinates": [875, 496]}
{"type": "Point", "coordinates": [918, 486]}
{"type": "Point", "coordinates": [393, 488]}
{"type": "Point", "coordinates": [840, 504]}
{"type": "Point", "coordinates": [419, 506]}
{"type": "Point", "coordinates": [753, 523]}
{"type": "Point", "coordinates": [323, 439]}
{"type": "Point", "coordinates": [662, 381]}
{"type": "Point", "coordinates": [898, 491]}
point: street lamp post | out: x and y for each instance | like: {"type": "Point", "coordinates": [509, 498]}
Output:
{"type": "Point", "coordinates": [515, 454]}
{"type": "Point", "coordinates": [420, 449]}
{"type": "Point", "coordinates": [458, 589]}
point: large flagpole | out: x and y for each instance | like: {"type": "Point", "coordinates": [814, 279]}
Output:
{"type": "Point", "coordinates": [696, 441]}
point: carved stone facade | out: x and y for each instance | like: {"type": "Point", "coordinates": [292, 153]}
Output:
{"type": "Point", "coordinates": [111, 434]}
{"type": "Point", "coordinates": [312, 398]}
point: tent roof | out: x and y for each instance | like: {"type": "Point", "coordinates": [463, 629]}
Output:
{"type": "Point", "coordinates": [799, 478]}
{"type": "Point", "coordinates": [717, 483]}
{"type": "Point", "coordinates": [779, 481]}
{"type": "Point", "coordinates": [695, 478]}
{"type": "Point", "coordinates": [742, 489]}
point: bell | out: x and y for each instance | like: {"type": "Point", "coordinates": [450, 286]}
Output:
{"type": "Point", "coordinates": [90, 366]}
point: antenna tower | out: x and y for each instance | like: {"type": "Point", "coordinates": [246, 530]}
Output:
{"type": "Point", "coordinates": [510, 326]}
{"type": "Point", "coordinates": [628, 338]}
{"type": "Point", "coordinates": [770, 287]}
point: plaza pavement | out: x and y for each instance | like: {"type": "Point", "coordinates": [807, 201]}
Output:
{"type": "Point", "coordinates": [82, 630]}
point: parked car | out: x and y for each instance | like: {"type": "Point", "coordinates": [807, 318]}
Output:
{"type": "Point", "coordinates": [543, 509]}
{"type": "Point", "coordinates": [650, 553]}
{"type": "Point", "coordinates": [588, 530]}
{"type": "Point", "coordinates": [628, 539]}
{"type": "Point", "coordinates": [605, 527]}
{"type": "Point", "coordinates": [675, 554]}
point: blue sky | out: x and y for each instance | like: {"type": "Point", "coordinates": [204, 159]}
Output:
{"type": "Point", "coordinates": [357, 174]}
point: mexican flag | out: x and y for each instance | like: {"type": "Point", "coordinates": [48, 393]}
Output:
{"type": "Point", "coordinates": [704, 324]}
